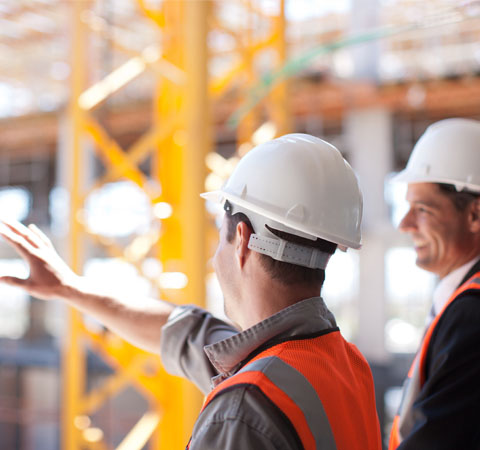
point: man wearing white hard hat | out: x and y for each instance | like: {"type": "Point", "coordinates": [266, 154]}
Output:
{"type": "Point", "coordinates": [441, 397]}
{"type": "Point", "coordinates": [282, 377]}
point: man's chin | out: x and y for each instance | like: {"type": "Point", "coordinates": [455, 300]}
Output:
{"type": "Point", "coordinates": [423, 264]}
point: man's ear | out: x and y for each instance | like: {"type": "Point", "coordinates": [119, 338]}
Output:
{"type": "Point", "coordinates": [474, 216]}
{"type": "Point", "coordinates": [242, 237]}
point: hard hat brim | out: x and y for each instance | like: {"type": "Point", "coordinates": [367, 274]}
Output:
{"type": "Point", "coordinates": [220, 195]}
{"type": "Point", "coordinates": [213, 196]}
{"type": "Point", "coordinates": [406, 176]}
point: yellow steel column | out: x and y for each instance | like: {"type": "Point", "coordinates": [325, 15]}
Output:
{"type": "Point", "coordinates": [197, 145]}
{"type": "Point", "coordinates": [73, 358]}
{"type": "Point", "coordinates": [179, 165]}
{"type": "Point", "coordinates": [167, 169]}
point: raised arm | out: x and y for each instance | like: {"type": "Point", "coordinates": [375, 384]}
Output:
{"type": "Point", "coordinates": [138, 322]}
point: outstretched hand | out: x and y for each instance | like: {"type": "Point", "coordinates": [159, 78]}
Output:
{"type": "Point", "coordinates": [50, 277]}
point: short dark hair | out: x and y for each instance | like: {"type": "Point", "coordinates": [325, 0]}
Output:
{"type": "Point", "coordinates": [459, 199]}
{"type": "Point", "coordinates": [286, 273]}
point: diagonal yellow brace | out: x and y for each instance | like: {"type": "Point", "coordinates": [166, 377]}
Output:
{"type": "Point", "coordinates": [220, 84]}
{"type": "Point", "coordinates": [124, 357]}
{"type": "Point", "coordinates": [143, 147]}
{"type": "Point", "coordinates": [112, 153]}
{"type": "Point", "coordinates": [116, 382]}
{"type": "Point", "coordinates": [148, 143]}
{"type": "Point", "coordinates": [156, 15]}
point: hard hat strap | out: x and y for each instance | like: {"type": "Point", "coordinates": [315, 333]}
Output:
{"type": "Point", "coordinates": [282, 250]}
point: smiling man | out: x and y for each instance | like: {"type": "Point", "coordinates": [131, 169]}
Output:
{"type": "Point", "coordinates": [441, 395]}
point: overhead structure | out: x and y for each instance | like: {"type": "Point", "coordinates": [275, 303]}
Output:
{"type": "Point", "coordinates": [168, 163]}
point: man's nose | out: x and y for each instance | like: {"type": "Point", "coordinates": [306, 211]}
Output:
{"type": "Point", "coordinates": [408, 223]}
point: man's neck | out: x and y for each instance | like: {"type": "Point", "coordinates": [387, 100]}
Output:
{"type": "Point", "coordinates": [263, 300]}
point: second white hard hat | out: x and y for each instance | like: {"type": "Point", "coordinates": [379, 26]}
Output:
{"type": "Point", "coordinates": [448, 152]}
{"type": "Point", "coordinates": [298, 184]}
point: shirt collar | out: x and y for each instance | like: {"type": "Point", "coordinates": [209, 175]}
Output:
{"type": "Point", "coordinates": [305, 317]}
{"type": "Point", "coordinates": [448, 284]}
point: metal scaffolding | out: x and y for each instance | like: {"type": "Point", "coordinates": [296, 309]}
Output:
{"type": "Point", "coordinates": [175, 146]}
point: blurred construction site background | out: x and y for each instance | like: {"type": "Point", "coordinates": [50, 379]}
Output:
{"type": "Point", "coordinates": [116, 114]}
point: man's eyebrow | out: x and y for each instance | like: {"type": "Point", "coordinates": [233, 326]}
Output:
{"type": "Point", "coordinates": [429, 203]}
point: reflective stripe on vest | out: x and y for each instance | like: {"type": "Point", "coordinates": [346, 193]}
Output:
{"type": "Point", "coordinates": [403, 421]}
{"type": "Point", "coordinates": [291, 382]}
{"type": "Point", "coordinates": [323, 386]}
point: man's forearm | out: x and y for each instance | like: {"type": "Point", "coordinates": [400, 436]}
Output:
{"type": "Point", "coordinates": [139, 321]}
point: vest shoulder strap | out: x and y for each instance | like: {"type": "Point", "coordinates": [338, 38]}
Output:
{"type": "Point", "coordinates": [292, 393]}
{"type": "Point", "coordinates": [472, 283]}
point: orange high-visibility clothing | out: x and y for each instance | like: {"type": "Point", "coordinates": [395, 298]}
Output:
{"type": "Point", "coordinates": [322, 384]}
{"type": "Point", "coordinates": [403, 421]}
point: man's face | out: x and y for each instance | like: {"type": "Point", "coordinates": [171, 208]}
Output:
{"type": "Point", "coordinates": [439, 231]}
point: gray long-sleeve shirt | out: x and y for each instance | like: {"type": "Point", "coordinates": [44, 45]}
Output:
{"type": "Point", "coordinates": [207, 350]}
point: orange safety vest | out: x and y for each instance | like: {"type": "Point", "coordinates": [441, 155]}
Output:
{"type": "Point", "coordinates": [323, 385]}
{"type": "Point", "coordinates": [403, 421]}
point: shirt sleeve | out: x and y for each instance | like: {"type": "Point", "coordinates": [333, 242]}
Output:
{"type": "Point", "coordinates": [243, 418]}
{"type": "Point", "coordinates": [446, 412]}
{"type": "Point", "coordinates": [187, 331]}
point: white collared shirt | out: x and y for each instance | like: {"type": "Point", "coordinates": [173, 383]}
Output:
{"type": "Point", "coordinates": [447, 286]}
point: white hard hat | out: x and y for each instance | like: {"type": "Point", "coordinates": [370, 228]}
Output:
{"type": "Point", "coordinates": [298, 184]}
{"type": "Point", "coordinates": [448, 152]}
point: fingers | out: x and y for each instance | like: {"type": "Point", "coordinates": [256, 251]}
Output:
{"type": "Point", "coordinates": [22, 246]}
{"type": "Point", "coordinates": [21, 230]}
{"type": "Point", "coordinates": [41, 235]}
{"type": "Point", "coordinates": [14, 281]}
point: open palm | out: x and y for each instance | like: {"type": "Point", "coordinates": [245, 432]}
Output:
{"type": "Point", "coordinates": [49, 277]}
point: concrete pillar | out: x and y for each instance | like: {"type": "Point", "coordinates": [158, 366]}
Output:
{"type": "Point", "coordinates": [370, 142]}
{"type": "Point", "coordinates": [366, 55]}
{"type": "Point", "coordinates": [369, 137]}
